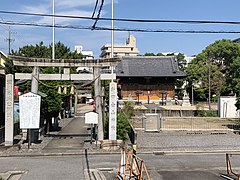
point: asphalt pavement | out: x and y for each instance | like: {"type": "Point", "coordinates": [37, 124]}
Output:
{"type": "Point", "coordinates": [74, 139]}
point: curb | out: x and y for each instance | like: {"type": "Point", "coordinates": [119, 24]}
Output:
{"type": "Point", "coordinates": [80, 153]}
{"type": "Point", "coordinates": [196, 152]}
{"type": "Point", "coordinates": [57, 154]}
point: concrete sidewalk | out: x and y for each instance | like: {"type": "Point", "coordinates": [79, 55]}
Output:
{"type": "Point", "coordinates": [70, 139]}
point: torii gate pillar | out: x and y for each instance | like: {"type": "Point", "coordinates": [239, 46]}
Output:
{"type": "Point", "coordinates": [9, 103]}
{"type": "Point", "coordinates": [98, 98]}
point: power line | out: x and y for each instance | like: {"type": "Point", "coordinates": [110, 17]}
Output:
{"type": "Point", "coordinates": [121, 29]}
{"type": "Point", "coordinates": [124, 20]}
{"type": "Point", "coordinates": [3, 26]}
{"type": "Point", "coordinates": [95, 7]}
{"type": "Point", "coordinates": [98, 16]}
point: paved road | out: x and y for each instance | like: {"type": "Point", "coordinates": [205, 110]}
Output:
{"type": "Point", "coordinates": [71, 138]}
{"type": "Point", "coordinates": [167, 167]}
{"type": "Point", "coordinates": [161, 167]}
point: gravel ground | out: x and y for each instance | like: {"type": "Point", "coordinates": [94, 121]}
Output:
{"type": "Point", "coordinates": [187, 141]}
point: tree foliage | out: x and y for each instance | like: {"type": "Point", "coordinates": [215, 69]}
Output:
{"type": "Point", "coordinates": [220, 61]}
{"type": "Point", "coordinates": [53, 100]}
{"type": "Point", "coordinates": [123, 125]}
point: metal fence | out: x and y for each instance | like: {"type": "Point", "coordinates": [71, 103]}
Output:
{"type": "Point", "coordinates": [199, 124]}
{"type": "Point", "coordinates": [190, 123]}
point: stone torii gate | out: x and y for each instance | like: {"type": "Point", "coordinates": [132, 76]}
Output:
{"type": "Point", "coordinates": [97, 76]}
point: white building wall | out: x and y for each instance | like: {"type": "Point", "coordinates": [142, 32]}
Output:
{"type": "Point", "coordinates": [227, 108]}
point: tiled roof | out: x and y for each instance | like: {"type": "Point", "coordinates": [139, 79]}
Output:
{"type": "Point", "coordinates": [149, 66]}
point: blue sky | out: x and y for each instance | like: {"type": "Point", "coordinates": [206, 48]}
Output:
{"type": "Point", "coordinates": [190, 44]}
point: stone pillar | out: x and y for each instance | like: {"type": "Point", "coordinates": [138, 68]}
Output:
{"type": "Point", "coordinates": [34, 133]}
{"type": "Point", "coordinates": [113, 111]}
{"type": "Point", "coordinates": [35, 77]}
{"type": "Point", "coordinates": [9, 110]}
{"type": "Point", "coordinates": [75, 102]}
{"type": "Point", "coordinates": [97, 90]}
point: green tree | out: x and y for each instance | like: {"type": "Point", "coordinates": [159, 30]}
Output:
{"type": "Point", "coordinates": [182, 63]}
{"type": "Point", "coordinates": [123, 125]}
{"type": "Point", "coordinates": [216, 61]}
{"type": "Point", "coordinates": [52, 103]}
{"type": "Point", "coordinates": [152, 54]}
{"type": "Point", "coordinates": [159, 54]}
{"type": "Point", "coordinates": [9, 67]}
{"type": "Point", "coordinates": [149, 54]}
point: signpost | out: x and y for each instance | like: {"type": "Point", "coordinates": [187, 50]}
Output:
{"type": "Point", "coordinates": [29, 107]}
{"type": "Point", "coordinates": [91, 118]}
{"type": "Point", "coordinates": [113, 111]}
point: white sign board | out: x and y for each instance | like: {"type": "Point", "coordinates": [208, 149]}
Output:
{"type": "Point", "coordinates": [113, 111]}
{"type": "Point", "coordinates": [91, 118]}
{"type": "Point", "coordinates": [29, 111]}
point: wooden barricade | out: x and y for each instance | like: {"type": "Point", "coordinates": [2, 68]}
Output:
{"type": "Point", "coordinates": [230, 174]}
{"type": "Point", "coordinates": [132, 167]}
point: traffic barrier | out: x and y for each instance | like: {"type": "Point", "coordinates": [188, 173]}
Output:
{"type": "Point", "coordinates": [132, 167]}
{"type": "Point", "coordinates": [230, 174]}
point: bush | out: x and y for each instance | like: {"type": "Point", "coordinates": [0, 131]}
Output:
{"type": "Point", "coordinates": [123, 126]}
{"type": "Point", "coordinates": [206, 113]}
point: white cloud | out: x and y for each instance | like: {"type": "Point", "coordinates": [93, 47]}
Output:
{"type": "Point", "coordinates": [42, 8]}
{"type": "Point", "coordinates": [79, 3]}
{"type": "Point", "coordinates": [74, 3]}
{"type": "Point", "coordinates": [48, 20]}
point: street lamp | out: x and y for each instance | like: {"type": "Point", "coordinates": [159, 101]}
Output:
{"type": "Point", "coordinates": [138, 93]}
{"type": "Point", "coordinates": [163, 94]}
{"type": "Point", "coordinates": [192, 93]}
{"type": "Point", "coordinates": [148, 96]}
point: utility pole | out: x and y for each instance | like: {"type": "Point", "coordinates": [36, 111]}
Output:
{"type": "Point", "coordinates": [9, 40]}
{"type": "Point", "coordinates": [112, 34]}
{"type": "Point", "coordinates": [209, 84]}
{"type": "Point", "coordinates": [53, 29]}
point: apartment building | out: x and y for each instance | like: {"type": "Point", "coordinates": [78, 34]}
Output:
{"type": "Point", "coordinates": [86, 54]}
{"type": "Point", "coordinates": [120, 50]}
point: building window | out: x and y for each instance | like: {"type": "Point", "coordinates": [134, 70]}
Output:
{"type": "Point", "coordinates": [131, 49]}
